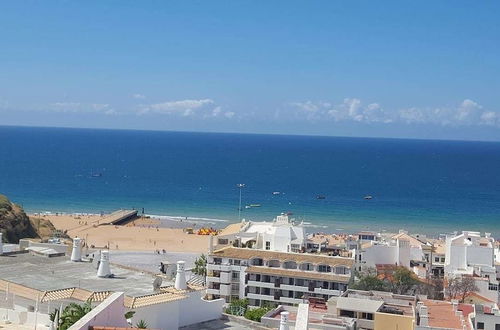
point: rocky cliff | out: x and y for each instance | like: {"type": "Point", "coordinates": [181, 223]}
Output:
{"type": "Point", "coordinates": [14, 223]}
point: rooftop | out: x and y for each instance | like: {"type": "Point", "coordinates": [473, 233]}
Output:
{"type": "Point", "coordinates": [387, 302]}
{"type": "Point", "coordinates": [59, 278]}
{"type": "Point", "coordinates": [442, 315]}
{"type": "Point", "coordinates": [245, 253]}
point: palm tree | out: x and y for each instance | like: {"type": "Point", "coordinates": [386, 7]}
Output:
{"type": "Point", "coordinates": [142, 324]}
{"type": "Point", "coordinates": [72, 313]}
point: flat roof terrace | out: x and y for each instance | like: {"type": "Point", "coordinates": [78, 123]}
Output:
{"type": "Point", "coordinates": [48, 274]}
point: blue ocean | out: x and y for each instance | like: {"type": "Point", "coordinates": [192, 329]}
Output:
{"type": "Point", "coordinates": [423, 186]}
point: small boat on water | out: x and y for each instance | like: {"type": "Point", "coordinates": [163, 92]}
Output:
{"type": "Point", "coordinates": [254, 205]}
{"type": "Point", "coordinates": [320, 197]}
{"type": "Point", "coordinates": [276, 192]}
{"type": "Point", "coordinates": [248, 207]}
{"type": "Point", "coordinates": [96, 175]}
{"type": "Point", "coordinates": [368, 197]}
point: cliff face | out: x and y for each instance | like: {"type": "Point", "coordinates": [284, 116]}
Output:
{"type": "Point", "coordinates": [14, 223]}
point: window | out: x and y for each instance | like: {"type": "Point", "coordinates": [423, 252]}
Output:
{"type": "Point", "coordinates": [324, 269]}
{"type": "Point", "coordinates": [217, 261]}
{"type": "Point", "coordinates": [236, 262]}
{"type": "Point", "coordinates": [436, 259]}
{"type": "Point", "coordinates": [367, 316]}
{"type": "Point", "coordinates": [268, 245]}
{"type": "Point", "coordinates": [235, 276]}
{"type": "Point", "coordinates": [442, 259]}
{"type": "Point", "coordinates": [480, 325]}
{"type": "Point", "coordinates": [497, 326]}
{"type": "Point", "coordinates": [223, 241]}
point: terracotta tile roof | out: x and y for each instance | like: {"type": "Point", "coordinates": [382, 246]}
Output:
{"type": "Point", "coordinates": [153, 299]}
{"type": "Point", "coordinates": [413, 241]}
{"type": "Point", "coordinates": [243, 253]}
{"type": "Point", "coordinates": [479, 297]}
{"type": "Point", "coordinates": [298, 274]}
{"type": "Point", "coordinates": [442, 315]}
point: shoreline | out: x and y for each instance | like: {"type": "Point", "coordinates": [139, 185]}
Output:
{"type": "Point", "coordinates": [172, 222]}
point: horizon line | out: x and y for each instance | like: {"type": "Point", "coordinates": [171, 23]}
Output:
{"type": "Point", "coordinates": [250, 133]}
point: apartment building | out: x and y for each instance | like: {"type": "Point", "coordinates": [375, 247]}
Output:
{"type": "Point", "coordinates": [265, 276]}
{"type": "Point", "coordinates": [473, 255]}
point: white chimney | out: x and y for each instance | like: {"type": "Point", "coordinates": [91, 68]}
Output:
{"type": "Point", "coordinates": [211, 245]}
{"type": "Point", "coordinates": [1, 243]}
{"type": "Point", "coordinates": [284, 321]}
{"type": "Point", "coordinates": [76, 254]}
{"type": "Point", "coordinates": [423, 311]}
{"type": "Point", "coordinates": [180, 279]}
{"type": "Point", "coordinates": [424, 321]}
{"type": "Point", "coordinates": [104, 270]}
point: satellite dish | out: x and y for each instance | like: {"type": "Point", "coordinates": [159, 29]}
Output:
{"type": "Point", "coordinates": [157, 283]}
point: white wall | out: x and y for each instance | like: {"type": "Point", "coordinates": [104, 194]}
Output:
{"type": "Point", "coordinates": [110, 312]}
{"type": "Point", "coordinates": [162, 316]}
{"type": "Point", "coordinates": [479, 255]}
{"type": "Point", "coordinates": [195, 310]}
{"type": "Point", "coordinates": [175, 314]}
{"type": "Point", "coordinates": [379, 254]}
{"type": "Point", "coordinates": [19, 315]}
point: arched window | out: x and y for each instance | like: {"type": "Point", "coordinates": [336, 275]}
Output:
{"type": "Point", "coordinates": [274, 263]}
{"type": "Point", "coordinates": [324, 269]}
{"type": "Point", "coordinates": [306, 266]}
{"type": "Point", "coordinates": [290, 265]}
{"type": "Point", "coordinates": [257, 262]}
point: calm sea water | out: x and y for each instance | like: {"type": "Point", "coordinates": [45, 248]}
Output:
{"type": "Point", "coordinates": [424, 186]}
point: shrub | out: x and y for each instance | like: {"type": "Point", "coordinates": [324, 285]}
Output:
{"type": "Point", "coordinates": [256, 313]}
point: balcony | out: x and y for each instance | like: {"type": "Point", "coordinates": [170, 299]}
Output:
{"type": "Point", "coordinates": [224, 268]}
{"type": "Point", "coordinates": [261, 284]}
{"type": "Point", "coordinates": [327, 291]}
{"type": "Point", "coordinates": [294, 288]}
{"type": "Point", "coordinates": [225, 277]}
{"type": "Point", "coordinates": [291, 300]}
{"type": "Point", "coordinates": [260, 296]}
{"type": "Point", "coordinates": [213, 291]}
{"type": "Point", "coordinates": [225, 289]}
{"type": "Point", "coordinates": [213, 279]}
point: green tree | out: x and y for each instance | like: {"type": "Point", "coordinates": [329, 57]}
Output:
{"type": "Point", "coordinates": [368, 280]}
{"type": "Point", "coordinates": [403, 281]}
{"type": "Point", "coordinates": [200, 266]}
{"type": "Point", "coordinates": [142, 324]}
{"type": "Point", "coordinates": [72, 313]}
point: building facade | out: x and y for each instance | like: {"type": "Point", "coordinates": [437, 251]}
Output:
{"type": "Point", "coordinates": [275, 277]}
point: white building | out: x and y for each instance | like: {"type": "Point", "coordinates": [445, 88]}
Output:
{"type": "Point", "coordinates": [471, 254]}
{"type": "Point", "coordinates": [487, 318]}
{"type": "Point", "coordinates": [395, 252]}
{"type": "Point", "coordinates": [277, 277]}
{"type": "Point", "coordinates": [282, 234]}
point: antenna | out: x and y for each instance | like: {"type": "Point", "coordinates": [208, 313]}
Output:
{"type": "Point", "coordinates": [157, 283]}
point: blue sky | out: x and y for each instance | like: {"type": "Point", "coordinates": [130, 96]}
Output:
{"type": "Point", "coordinates": [421, 69]}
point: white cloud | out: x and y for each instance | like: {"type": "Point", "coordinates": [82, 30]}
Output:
{"type": "Point", "coordinates": [139, 96]}
{"type": "Point", "coordinates": [468, 112]}
{"type": "Point", "coordinates": [205, 108]}
{"type": "Point", "coordinates": [78, 107]}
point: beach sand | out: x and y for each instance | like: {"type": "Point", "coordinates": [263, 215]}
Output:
{"type": "Point", "coordinates": [139, 235]}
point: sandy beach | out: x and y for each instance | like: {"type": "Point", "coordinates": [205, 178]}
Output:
{"type": "Point", "coordinates": [139, 235]}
